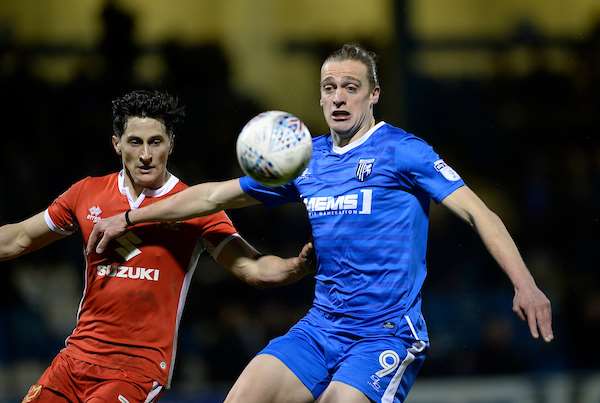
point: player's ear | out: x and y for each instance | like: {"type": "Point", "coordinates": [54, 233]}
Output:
{"type": "Point", "coordinates": [172, 144]}
{"type": "Point", "coordinates": [375, 95]}
{"type": "Point", "coordinates": [116, 142]}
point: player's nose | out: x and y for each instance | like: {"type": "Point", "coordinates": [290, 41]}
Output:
{"type": "Point", "coordinates": [338, 98]}
{"type": "Point", "coordinates": [146, 154]}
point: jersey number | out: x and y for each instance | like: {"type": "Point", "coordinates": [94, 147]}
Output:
{"type": "Point", "coordinates": [389, 361]}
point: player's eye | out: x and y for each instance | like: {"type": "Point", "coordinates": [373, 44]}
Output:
{"type": "Point", "coordinates": [328, 88]}
{"type": "Point", "coordinates": [135, 141]}
{"type": "Point", "coordinates": [352, 88]}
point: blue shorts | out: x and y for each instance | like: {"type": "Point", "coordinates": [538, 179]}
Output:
{"type": "Point", "coordinates": [383, 367]}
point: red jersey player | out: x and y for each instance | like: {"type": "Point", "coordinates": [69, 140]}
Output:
{"type": "Point", "coordinates": [124, 344]}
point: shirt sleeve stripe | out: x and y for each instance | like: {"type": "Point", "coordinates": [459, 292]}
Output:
{"type": "Point", "coordinates": [217, 250]}
{"type": "Point", "coordinates": [54, 227]}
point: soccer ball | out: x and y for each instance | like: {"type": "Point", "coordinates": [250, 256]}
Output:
{"type": "Point", "coordinates": [274, 148]}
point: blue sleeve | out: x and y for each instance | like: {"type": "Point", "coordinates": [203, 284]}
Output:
{"type": "Point", "coordinates": [417, 159]}
{"type": "Point", "coordinates": [270, 196]}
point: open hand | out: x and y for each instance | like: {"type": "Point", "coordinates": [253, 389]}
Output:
{"type": "Point", "coordinates": [532, 305]}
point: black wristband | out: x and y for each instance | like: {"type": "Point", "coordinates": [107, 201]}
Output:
{"type": "Point", "coordinates": [127, 220]}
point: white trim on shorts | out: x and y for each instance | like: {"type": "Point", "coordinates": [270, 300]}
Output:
{"type": "Point", "coordinates": [390, 391]}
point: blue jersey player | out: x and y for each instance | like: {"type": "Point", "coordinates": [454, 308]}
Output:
{"type": "Point", "coordinates": [367, 191]}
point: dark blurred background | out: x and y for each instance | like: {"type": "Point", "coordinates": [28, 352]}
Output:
{"type": "Point", "coordinates": [507, 92]}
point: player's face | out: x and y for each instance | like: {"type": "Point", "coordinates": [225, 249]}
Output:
{"type": "Point", "coordinates": [144, 148]}
{"type": "Point", "coordinates": [346, 97]}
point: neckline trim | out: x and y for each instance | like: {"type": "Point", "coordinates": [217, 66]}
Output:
{"type": "Point", "coordinates": [357, 143]}
{"type": "Point", "coordinates": [161, 191]}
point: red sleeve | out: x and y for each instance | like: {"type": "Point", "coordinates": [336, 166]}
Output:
{"type": "Point", "coordinates": [215, 228]}
{"type": "Point", "coordinates": [60, 215]}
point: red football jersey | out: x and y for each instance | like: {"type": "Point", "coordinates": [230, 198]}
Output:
{"type": "Point", "coordinates": [135, 291]}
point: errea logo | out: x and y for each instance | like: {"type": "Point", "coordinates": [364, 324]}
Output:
{"type": "Point", "coordinates": [94, 214]}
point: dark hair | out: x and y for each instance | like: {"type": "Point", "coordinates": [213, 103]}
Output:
{"type": "Point", "coordinates": [152, 104]}
{"type": "Point", "coordinates": [353, 51]}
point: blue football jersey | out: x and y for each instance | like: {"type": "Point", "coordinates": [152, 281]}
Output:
{"type": "Point", "coordinates": [368, 205]}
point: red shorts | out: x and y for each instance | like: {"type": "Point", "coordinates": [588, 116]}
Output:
{"type": "Point", "coordinates": [72, 380]}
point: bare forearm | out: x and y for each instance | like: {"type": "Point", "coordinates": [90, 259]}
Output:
{"type": "Point", "coordinates": [529, 302]}
{"type": "Point", "coordinates": [468, 206]}
{"type": "Point", "coordinates": [25, 236]}
{"type": "Point", "coordinates": [12, 243]}
{"type": "Point", "coordinates": [501, 246]}
{"type": "Point", "coordinates": [269, 271]}
{"type": "Point", "coordinates": [195, 201]}
{"type": "Point", "coordinates": [192, 202]}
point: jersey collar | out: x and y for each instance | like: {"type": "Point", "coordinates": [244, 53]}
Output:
{"type": "Point", "coordinates": [354, 144]}
{"type": "Point", "coordinates": [161, 191]}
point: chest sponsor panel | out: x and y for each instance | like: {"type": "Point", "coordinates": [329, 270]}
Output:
{"type": "Point", "coordinates": [128, 272]}
{"type": "Point", "coordinates": [352, 203]}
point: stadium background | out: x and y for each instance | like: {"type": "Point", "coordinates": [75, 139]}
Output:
{"type": "Point", "coordinates": [508, 92]}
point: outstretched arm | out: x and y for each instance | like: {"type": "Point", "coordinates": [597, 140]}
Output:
{"type": "Point", "coordinates": [195, 201]}
{"type": "Point", "coordinates": [25, 236]}
{"type": "Point", "coordinates": [529, 302]}
{"type": "Point", "coordinates": [263, 271]}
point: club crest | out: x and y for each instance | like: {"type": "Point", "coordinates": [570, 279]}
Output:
{"type": "Point", "coordinates": [364, 169]}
